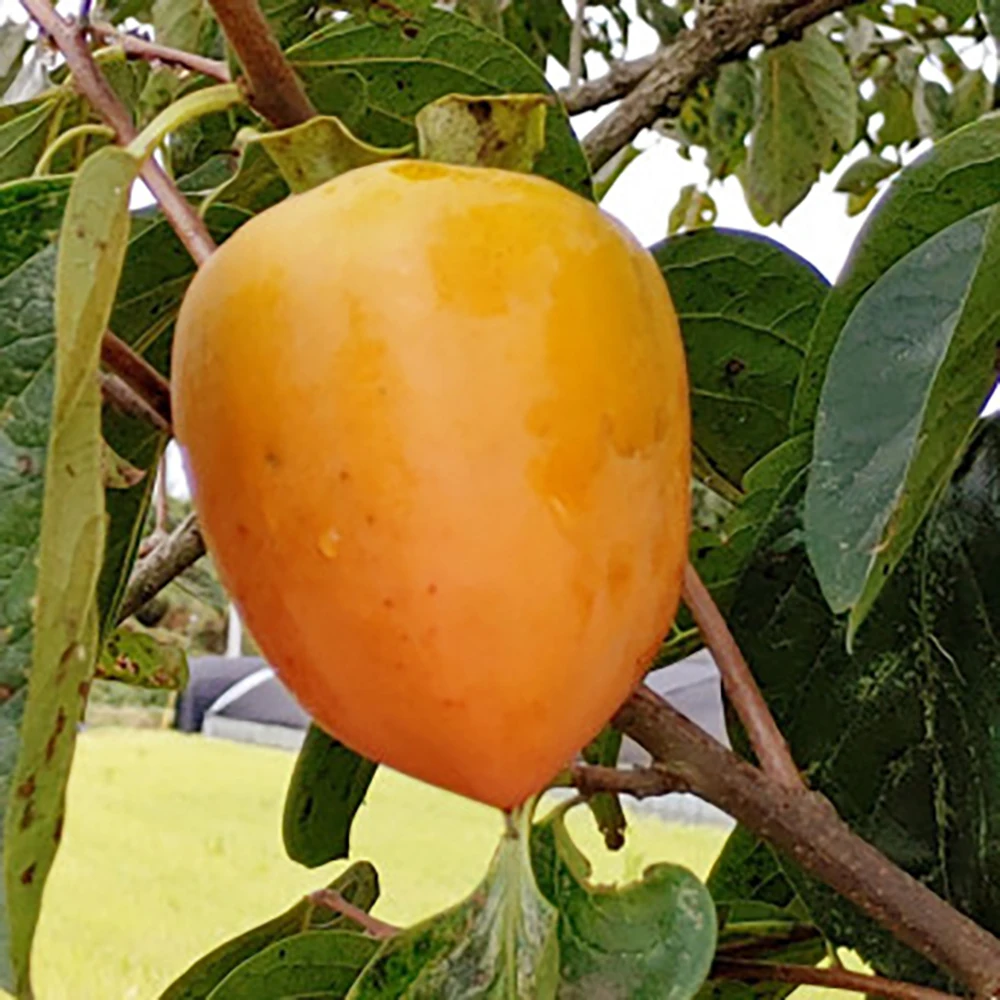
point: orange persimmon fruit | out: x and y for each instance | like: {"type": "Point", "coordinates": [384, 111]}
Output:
{"type": "Point", "coordinates": [437, 427]}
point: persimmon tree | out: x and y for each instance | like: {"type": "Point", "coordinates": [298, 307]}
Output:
{"type": "Point", "coordinates": [838, 427]}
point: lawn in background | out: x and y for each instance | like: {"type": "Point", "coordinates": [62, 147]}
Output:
{"type": "Point", "coordinates": [173, 844]}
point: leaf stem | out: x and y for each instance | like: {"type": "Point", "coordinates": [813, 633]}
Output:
{"type": "Point", "coordinates": [70, 135]}
{"type": "Point", "coordinates": [188, 108]}
{"type": "Point", "coordinates": [739, 684]}
{"type": "Point", "coordinates": [837, 979]}
{"type": "Point", "coordinates": [333, 900]}
{"type": "Point", "coordinates": [274, 89]}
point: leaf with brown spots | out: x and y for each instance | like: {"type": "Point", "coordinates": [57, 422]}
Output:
{"type": "Point", "coordinates": [71, 545]}
{"type": "Point", "coordinates": [136, 658]}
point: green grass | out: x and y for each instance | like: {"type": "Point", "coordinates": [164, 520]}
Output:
{"type": "Point", "coordinates": [173, 844]}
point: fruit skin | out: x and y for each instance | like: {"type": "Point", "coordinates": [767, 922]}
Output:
{"type": "Point", "coordinates": [436, 422]}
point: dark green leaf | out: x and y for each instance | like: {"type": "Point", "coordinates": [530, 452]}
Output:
{"type": "Point", "coordinates": [327, 788]}
{"type": "Point", "coordinates": [71, 543]}
{"type": "Point", "coordinates": [503, 132]}
{"type": "Point", "coordinates": [499, 943]}
{"type": "Point", "coordinates": [23, 140]}
{"type": "Point", "coordinates": [731, 117]}
{"type": "Point", "coordinates": [376, 78]}
{"type": "Point", "coordinates": [894, 99]}
{"type": "Point", "coordinates": [358, 885]}
{"type": "Point", "coordinates": [931, 109]}
{"type": "Point", "coordinates": [746, 306]}
{"type": "Point", "coordinates": [865, 174]}
{"type": "Point", "coordinates": [991, 15]}
{"type": "Point", "coordinates": [959, 176]}
{"type": "Point", "coordinates": [808, 109]}
{"type": "Point", "coordinates": [539, 28]}
{"type": "Point", "coordinates": [139, 660]}
{"type": "Point", "coordinates": [957, 11]}
{"type": "Point", "coordinates": [905, 385]}
{"type": "Point", "coordinates": [971, 98]}
{"type": "Point", "coordinates": [320, 965]}
{"type": "Point", "coordinates": [653, 939]}
{"type": "Point", "coordinates": [901, 735]}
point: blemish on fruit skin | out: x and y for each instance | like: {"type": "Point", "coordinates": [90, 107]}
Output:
{"type": "Point", "coordinates": [329, 543]}
{"type": "Point", "coordinates": [619, 573]}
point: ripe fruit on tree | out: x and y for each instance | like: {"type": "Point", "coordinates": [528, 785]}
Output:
{"type": "Point", "coordinates": [436, 420]}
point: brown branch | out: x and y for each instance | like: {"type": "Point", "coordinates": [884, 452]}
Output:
{"type": "Point", "coordinates": [90, 82]}
{"type": "Point", "coordinates": [727, 32]}
{"type": "Point", "coordinates": [139, 48]}
{"type": "Point", "coordinates": [183, 547]}
{"type": "Point", "coordinates": [738, 682]}
{"type": "Point", "coordinates": [806, 827]}
{"type": "Point", "coordinates": [836, 979]}
{"type": "Point", "coordinates": [274, 89]}
{"type": "Point", "coordinates": [333, 900]}
{"type": "Point", "coordinates": [122, 397]}
{"type": "Point", "coordinates": [139, 374]}
{"type": "Point", "coordinates": [616, 83]}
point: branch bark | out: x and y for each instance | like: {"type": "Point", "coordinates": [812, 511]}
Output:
{"type": "Point", "coordinates": [139, 48]}
{"type": "Point", "coordinates": [139, 375]}
{"type": "Point", "coordinates": [616, 83]}
{"type": "Point", "coordinates": [183, 547]}
{"type": "Point", "coordinates": [727, 32]}
{"type": "Point", "coordinates": [121, 396]}
{"type": "Point", "coordinates": [90, 82]}
{"type": "Point", "coordinates": [837, 979]}
{"type": "Point", "coordinates": [739, 684]}
{"type": "Point", "coordinates": [274, 89]}
{"type": "Point", "coordinates": [806, 827]}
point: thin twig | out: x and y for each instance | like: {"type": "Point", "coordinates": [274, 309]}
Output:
{"type": "Point", "coordinates": [739, 684]}
{"type": "Point", "coordinates": [835, 979]}
{"type": "Point", "coordinates": [274, 89]}
{"type": "Point", "coordinates": [139, 48]}
{"type": "Point", "coordinates": [639, 782]}
{"type": "Point", "coordinates": [138, 373]}
{"type": "Point", "coordinates": [183, 547]}
{"type": "Point", "coordinates": [122, 397]}
{"type": "Point", "coordinates": [620, 78]}
{"type": "Point", "coordinates": [804, 825]}
{"type": "Point", "coordinates": [727, 32]}
{"type": "Point", "coordinates": [161, 499]}
{"type": "Point", "coordinates": [333, 900]}
{"type": "Point", "coordinates": [90, 82]}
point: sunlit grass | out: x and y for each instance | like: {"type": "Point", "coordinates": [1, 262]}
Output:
{"type": "Point", "coordinates": [173, 844]}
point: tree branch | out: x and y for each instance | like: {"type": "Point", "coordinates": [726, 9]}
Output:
{"type": "Point", "coordinates": [122, 397]}
{"type": "Point", "coordinates": [139, 48]}
{"type": "Point", "coordinates": [139, 375]}
{"type": "Point", "coordinates": [727, 32]}
{"type": "Point", "coordinates": [739, 684]}
{"type": "Point", "coordinates": [274, 89]}
{"type": "Point", "coordinates": [617, 82]}
{"type": "Point", "coordinates": [183, 547]}
{"type": "Point", "coordinates": [837, 979]}
{"type": "Point", "coordinates": [90, 82]}
{"type": "Point", "coordinates": [807, 828]}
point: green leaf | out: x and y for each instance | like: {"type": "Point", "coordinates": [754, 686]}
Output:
{"type": "Point", "coordinates": [326, 790]}
{"type": "Point", "coordinates": [654, 938]}
{"type": "Point", "coordinates": [321, 965]}
{"type": "Point", "coordinates": [358, 885]}
{"type": "Point", "coordinates": [318, 150]}
{"type": "Point", "coordinates": [137, 659]}
{"type": "Point", "coordinates": [957, 11]}
{"type": "Point", "coordinates": [539, 28]}
{"type": "Point", "coordinates": [808, 109]}
{"type": "Point", "coordinates": [498, 943]}
{"type": "Point", "coordinates": [990, 10]}
{"type": "Point", "coordinates": [23, 140]}
{"type": "Point", "coordinates": [730, 118]}
{"type": "Point", "coordinates": [865, 174]}
{"type": "Point", "coordinates": [71, 543]}
{"type": "Point", "coordinates": [504, 132]}
{"type": "Point", "coordinates": [971, 99]}
{"type": "Point", "coordinates": [959, 176]}
{"type": "Point", "coordinates": [694, 209]}
{"type": "Point", "coordinates": [904, 388]}
{"type": "Point", "coordinates": [376, 78]}
{"type": "Point", "coordinates": [746, 305]}
{"type": "Point", "coordinates": [931, 109]}
{"type": "Point", "coordinates": [901, 735]}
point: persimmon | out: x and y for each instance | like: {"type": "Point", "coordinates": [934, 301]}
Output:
{"type": "Point", "coordinates": [436, 422]}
